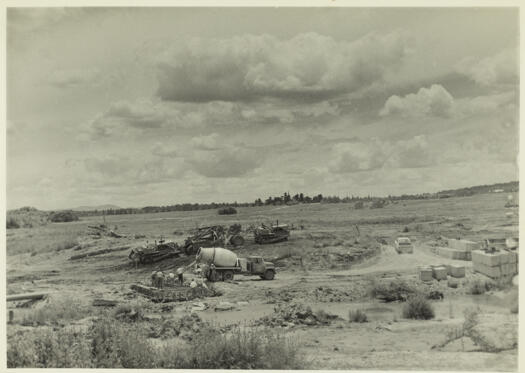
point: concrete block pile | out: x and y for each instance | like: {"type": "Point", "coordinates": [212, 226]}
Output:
{"type": "Point", "coordinates": [441, 272]}
{"type": "Point", "coordinates": [496, 264]}
{"type": "Point", "coordinates": [458, 249]}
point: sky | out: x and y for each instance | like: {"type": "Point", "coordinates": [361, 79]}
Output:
{"type": "Point", "coordinates": [158, 106]}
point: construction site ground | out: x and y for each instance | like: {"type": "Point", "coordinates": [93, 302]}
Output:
{"type": "Point", "coordinates": [325, 264]}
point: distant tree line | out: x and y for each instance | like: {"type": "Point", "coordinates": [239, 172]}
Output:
{"type": "Point", "coordinates": [298, 198]}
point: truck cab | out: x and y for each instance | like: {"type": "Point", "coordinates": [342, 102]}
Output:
{"type": "Point", "coordinates": [257, 266]}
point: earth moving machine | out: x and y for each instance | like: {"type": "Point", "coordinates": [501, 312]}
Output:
{"type": "Point", "coordinates": [271, 234]}
{"type": "Point", "coordinates": [213, 236]}
{"type": "Point", "coordinates": [155, 252]}
{"type": "Point", "coordinates": [222, 264]}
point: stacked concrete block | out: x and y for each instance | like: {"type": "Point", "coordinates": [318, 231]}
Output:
{"type": "Point", "coordinates": [495, 264]}
{"type": "Point", "coordinates": [439, 272]}
{"type": "Point", "coordinates": [456, 254]}
{"type": "Point", "coordinates": [463, 245]}
{"type": "Point", "coordinates": [457, 271]}
{"type": "Point", "coordinates": [425, 274]}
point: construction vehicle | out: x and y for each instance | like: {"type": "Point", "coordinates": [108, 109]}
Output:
{"type": "Point", "coordinates": [404, 245]}
{"type": "Point", "coordinates": [204, 237]}
{"type": "Point", "coordinates": [271, 234]}
{"type": "Point", "coordinates": [222, 264]}
{"type": "Point", "coordinates": [213, 236]}
{"type": "Point", "coordinates": [154, 252]}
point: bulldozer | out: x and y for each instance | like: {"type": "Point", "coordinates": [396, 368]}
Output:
{"type": "Point", "coordinates": [213, 236]}
{"type": "Point", "coordinates": [154, 252]}
{"type": "Point", "coordinates": [271, 234]}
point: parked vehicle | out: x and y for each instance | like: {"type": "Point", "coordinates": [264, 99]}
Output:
{"type": "Point", "coordinates": [222, 264]}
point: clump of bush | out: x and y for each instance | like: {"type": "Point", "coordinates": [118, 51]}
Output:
{"type": "Point", "coordinates": [478, 287]}
{"type": "Point", "coordinates": [396, 290]}
{"type": "Point", "coordinates": [419, 308]}
{"type": "Point", "coordinates": [11, 223]}
{"type": "Point", "coordinates": [357, 316]}
{"type": "Point", "coordinates": [56, 311]}
{"type": "Point", "coordinates": [227, 210]}
{"type": "Point", "coordinates": [359, 205]}
{"type": "Point", "coordinates": [63, 216]}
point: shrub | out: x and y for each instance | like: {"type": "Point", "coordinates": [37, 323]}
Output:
{"type": "Point", "coordinates": [110, 343]}
{"type": "Point", "coordinates": [244, 349]}
{"type": "Point", "coordinates": [11, 223]}
{"type": "Point", "coordinates": [418, 308]}
{"type": "Point", "coordinates": [478, 286]}
{"type": "Point", "coordinates": [63, 216]}
{"type": "Point", "coordinates": [406, 230]}
{"type": "Point", "coordinates": [357, 316]}
{"type": "Point", "coordinates": [393, 291]}
{"type": "Point", "coordinates": [227, 210]}
{"type": "Point", "coordinates": [359, 205]}
{"type": "Point", "coordinates": [56, 311]}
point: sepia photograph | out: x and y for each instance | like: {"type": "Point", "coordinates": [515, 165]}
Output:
{"type": "Point", "coordinates": [333, 187]}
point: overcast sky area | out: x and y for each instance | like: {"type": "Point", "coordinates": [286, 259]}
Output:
{"type": "Point", "coordinates": [159, 106]}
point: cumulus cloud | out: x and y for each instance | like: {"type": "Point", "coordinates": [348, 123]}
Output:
{"type": "Point", "coordinates": [226, 162]}
{"type": "Point", "coordinates": [209, 142]}
{"type": "Point", "coordinates": [498, 69]}
{"type": "Point", "coordinates": [118, 169]}
{"type": "Point", "coordinates": [502, 103]}
{"type": "Point", "coordinates": [164, 150]}
{"type": "Point", "coordinates": [142, 115]}
{"type": "Point", "coordinates": [310, 66]}
{"type": "Point", "coordinates": [73, 77]}
{"type": "Point", "coordinates": [349, 157]}
{"type": "Point", "coordinates": [433, 101]}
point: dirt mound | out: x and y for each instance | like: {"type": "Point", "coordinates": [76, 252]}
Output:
{"type": "Point", "coordinates": [289, 315]}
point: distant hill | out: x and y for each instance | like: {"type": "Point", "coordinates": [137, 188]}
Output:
{"type": "Point", "coordinates": [509, 187]}
{"type": "Point", "coordinates": [93, 208]}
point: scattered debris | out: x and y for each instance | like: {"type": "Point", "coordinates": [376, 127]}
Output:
{"type": "Point", "coordinates": [199, 307]}
{"type": "Point", "coordinates": [224, 306]}
{"type": "Point", "coordinates": [99, 252]}
{"type": "Point", "coordinates": [103, 230]}
{"type": "Point", "coordinates": [177, 294]}
{"type": "Point", "coordinates": [289, 315]}
{"type": "Point", "coordinates": [104, 303]}
{"type": "Point", "coordinates": [31, 296]}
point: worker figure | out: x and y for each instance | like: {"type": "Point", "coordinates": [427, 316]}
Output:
{"type": "Point", "coordinates": [154, 278]}
{"type": "Point", "coordinates": [171, 279]}
{"type": "Point", "coordinates": [160, 280]}
{"type": "Point", "coordinates": [180, 275]}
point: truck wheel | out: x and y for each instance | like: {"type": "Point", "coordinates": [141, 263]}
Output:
{"type": "Point", "coordinates": [227, 276]}
{"type": "Point", "coordinates": [237, 240]}
{"type": "Point", "coordinates": [269, 275]}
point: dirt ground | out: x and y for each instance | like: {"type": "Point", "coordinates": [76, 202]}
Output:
{"type": "Point", "coordinates": [337, 271]}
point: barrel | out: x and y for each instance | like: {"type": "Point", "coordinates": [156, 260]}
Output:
{"type": "Point", "coordinates": [217, 255]}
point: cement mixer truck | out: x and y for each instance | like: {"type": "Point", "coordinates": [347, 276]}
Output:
{"type": "Point", "coordinates": [222, 264]}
